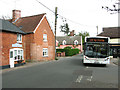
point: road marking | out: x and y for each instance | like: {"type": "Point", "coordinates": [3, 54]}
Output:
{"type": "Point", "coordinates": [90, 79]}
{"type": "Point", "coordinates": [79, 79]}
{"type": "Point", "coordinates": [97, 67]}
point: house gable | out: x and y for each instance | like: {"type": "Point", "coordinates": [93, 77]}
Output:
{"type": "Point", "coordinates": [44, 28]}
{"type": "Point", "coordinates": [47, 23]}
{"type": "Point", "coordinates": [39, 23]}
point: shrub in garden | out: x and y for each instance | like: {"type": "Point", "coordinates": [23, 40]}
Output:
{"type": "Point", "coordinates": [69, 51]}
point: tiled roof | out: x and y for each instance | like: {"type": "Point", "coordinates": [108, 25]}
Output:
{"type": "Point", "coordinates": [7, 26]}
{"type": "Point", "coordinates": [112, 32]}
{"type": "Point", "coordinates": [69, 39]}
{"type": "Point", "coordinates": [28, 24]}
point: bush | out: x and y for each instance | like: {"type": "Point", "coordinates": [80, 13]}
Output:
{"type": "Point", "coordinates": [68, 47]}
{"type": "Point", "coordinates": [60, 50]}
{"type": "Point", "coordinates": [68, 51]}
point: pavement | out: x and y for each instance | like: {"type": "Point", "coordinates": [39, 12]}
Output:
{"type": "Point", "coordinates": [115, 60]}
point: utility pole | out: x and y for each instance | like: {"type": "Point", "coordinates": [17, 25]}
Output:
{"type": "Point", "coordinates": [55, 28]}
{"type": "Point", "coordinates": [97, 29]}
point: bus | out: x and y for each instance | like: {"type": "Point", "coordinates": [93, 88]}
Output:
{"type": "Point", "coordinates": [96, 50]}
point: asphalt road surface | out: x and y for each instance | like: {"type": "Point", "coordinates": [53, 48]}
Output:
{"type": "Point", "coordinates": [68, 72]}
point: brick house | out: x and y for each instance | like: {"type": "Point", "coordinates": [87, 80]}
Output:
{"type": "Point", "coordinates": [114, 34]}
{"type": "Point", "coordinates": [71, 41]}
{"type": "Point", "coordinates": [11, 45]}
{"type": "Point", "coordinates": [39, 38]}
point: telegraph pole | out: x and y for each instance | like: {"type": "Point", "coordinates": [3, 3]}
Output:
{"type": "Point", "coordinates": [55, 28]}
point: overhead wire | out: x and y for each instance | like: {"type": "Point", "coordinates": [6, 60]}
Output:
{"type": "Point", "coordinates": [65, 17]}
{"type": "Point", "coordinates": [45, 6]}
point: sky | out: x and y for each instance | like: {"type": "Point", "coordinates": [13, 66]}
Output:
{"type": "Point", "coordinates": [81, 15]}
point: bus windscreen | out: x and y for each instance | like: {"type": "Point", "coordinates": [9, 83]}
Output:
{"type": "Point", "coordinates": [96, 50]}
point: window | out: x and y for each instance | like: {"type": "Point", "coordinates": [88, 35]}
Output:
{"type": "Point", "coordinates": [15, 54]}
{"type": "Point", "coordinates": [44, 37]}
{"type": "Point", "coordinates": [75, 42]}
{"type": "Point", "coordinates": [11, 54]}
{"type": "Point", "coordinates": [45, 52]}
{"type": "Point", "coordinates": [18, 54]}
{"type": "Point", "coordinates": [64, 42]}
{"type": "Point", "coordinates": [19, 37]}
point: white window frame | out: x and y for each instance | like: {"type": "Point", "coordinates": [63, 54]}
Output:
{"type": "Point", "coordinates": [76, 42]}
{"type": "Point", "coordinates": [19, 38]}
{"type": "Point", "coordinates": [16, 53]}
{"type": "Point", "coordinates": [64, 42]}
{"type": "Point", "coordinates": [45, 50]}
{"type": "Point", "coordinates": [45, 37]}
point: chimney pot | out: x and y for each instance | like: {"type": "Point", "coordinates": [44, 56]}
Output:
{"type": "Point", "coordinates": [72, 33]}
{"type": "Point", "coordinates": [16, 14]}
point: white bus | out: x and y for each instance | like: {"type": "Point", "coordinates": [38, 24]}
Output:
{"type": "Point", "coordinates": [96, 50]}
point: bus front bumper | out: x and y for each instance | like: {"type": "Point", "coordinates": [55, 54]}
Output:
{"type": "Point", "coordinates": [97, 60]}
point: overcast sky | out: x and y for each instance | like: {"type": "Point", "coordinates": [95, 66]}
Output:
{"type": "Point", "coordinates": [81, 15]}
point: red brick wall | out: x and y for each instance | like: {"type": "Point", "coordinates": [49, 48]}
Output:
{"type": "Point", "coordinates": [7, 40]}
{"type": "Point", "coordinates": [35, 44]}
{"type": "Point", "coordinates": [44, 28]}
{"type": "Point", "coordinates": [28, 40]}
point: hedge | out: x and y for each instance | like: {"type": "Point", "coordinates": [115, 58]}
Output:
{"type": "Point", "coordinates": [68, 52]}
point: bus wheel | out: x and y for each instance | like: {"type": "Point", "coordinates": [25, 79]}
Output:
{"type": "Point", "coordinates": [104, 65]}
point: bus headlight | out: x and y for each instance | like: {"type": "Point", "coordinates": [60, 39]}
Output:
{"type": "Point", "coordinates": [106, 59]}
{"type": "Point", "coordinates": [86, 58]}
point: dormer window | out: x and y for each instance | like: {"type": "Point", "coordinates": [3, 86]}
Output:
{"type": "Point", "coordinates": [44, 37]}
{"type": "Point", "coordinates": [19, 38]}
{"type": "Point", "coordinates": [75, 42]}
{"type": "Point", "coordinates": [64, 42]}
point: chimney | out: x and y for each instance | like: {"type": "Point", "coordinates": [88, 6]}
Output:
{"type": "Point", "coordinates": [16, 14]}
{"type": "Point", "coordinates": [72, 33]}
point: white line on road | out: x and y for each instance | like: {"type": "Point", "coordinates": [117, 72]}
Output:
{"type": "Point", "coordinates": [79, 79]}
{"type": "Point", "coordinates": [90, 79]}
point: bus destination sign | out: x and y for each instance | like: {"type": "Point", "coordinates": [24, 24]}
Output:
{"type": "Point", "coordinates": [97, 40]}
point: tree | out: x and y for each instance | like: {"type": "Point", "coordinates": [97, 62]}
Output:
{"type": "Point", "coordinates": [115, 9]}
{"type": "Point", "coordinates": [83, 34]}
{"type": "Point", "coordinates": [65, 28]}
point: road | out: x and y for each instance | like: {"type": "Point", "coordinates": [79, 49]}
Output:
{"type": "Point", "coordinates": [68, 72]}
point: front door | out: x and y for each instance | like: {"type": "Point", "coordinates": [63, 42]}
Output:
{"type": "Point", "coordinates": [11, 58]}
